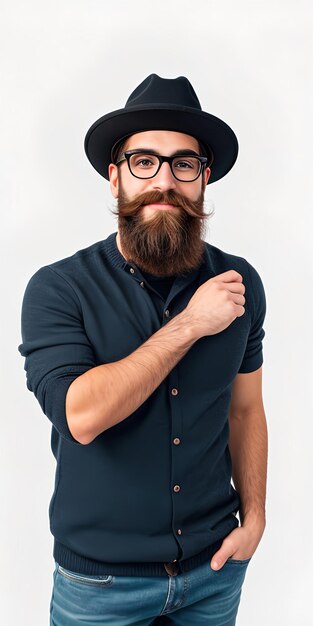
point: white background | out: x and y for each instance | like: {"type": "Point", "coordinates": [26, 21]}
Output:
{"type": "Point", "coordinates": [63, 65]}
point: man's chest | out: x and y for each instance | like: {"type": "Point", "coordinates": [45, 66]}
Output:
{"type": "Point", "coordinates": [121, 321]}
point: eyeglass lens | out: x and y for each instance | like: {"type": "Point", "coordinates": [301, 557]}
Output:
{"type": "Point", "coordinates": [146, 165]}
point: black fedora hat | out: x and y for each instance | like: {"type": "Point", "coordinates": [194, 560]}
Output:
{"type": "Point", "coordinates": [162, 104]}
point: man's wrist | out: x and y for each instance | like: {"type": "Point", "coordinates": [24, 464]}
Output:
{"type": "Point", "coordinates": [191, 326]}
{"type": "Point", "coordinates": [254, 519]}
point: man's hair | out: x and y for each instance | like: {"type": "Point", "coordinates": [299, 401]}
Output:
{"type": "Point", "coordinates": [120, 146]}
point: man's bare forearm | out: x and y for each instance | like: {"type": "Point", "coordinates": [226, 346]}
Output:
{"type": "Point", "coordinates": [248, 446]}
{"type": "Point", "coordinates": [109, 393]}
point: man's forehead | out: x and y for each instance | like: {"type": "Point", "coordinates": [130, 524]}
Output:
{"type": "Point", "coordinates": [155, 137]}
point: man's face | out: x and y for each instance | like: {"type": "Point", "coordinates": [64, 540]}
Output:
{"type": "Point", "coordinates": [164, 240]}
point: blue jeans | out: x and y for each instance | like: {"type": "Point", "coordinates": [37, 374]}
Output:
{"type": "Point", "coordinates": [200, 596]}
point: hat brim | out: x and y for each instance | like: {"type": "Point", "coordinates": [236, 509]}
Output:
{"type": "Point", "coordinates": [208, 128]}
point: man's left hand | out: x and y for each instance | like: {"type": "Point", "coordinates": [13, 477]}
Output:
{"type": "Point", "coordinates": [240, 544]}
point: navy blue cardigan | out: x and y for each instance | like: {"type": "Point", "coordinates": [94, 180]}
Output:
{"type": "Point", "coordinates": [114, 508]}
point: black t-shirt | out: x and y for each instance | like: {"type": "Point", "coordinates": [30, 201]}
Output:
{"type": "Point", "coordinates": [160, 283]}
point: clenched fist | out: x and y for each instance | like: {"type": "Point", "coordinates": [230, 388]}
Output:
{"type": "Point", "coordinates": [217, 303]}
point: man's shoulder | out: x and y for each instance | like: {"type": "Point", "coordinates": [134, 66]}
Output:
{"type": "Point", "coordinates": [70, 269]}
{"type": "Point", "coordinates": [77, 258]}
{"type": "Point", "coordinates": [221, 261]}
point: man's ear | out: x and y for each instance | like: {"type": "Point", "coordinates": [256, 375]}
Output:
{"type": "Point", "coordinates": [113, 174]}
{"type": "Point", "coordinates": [207, 174]}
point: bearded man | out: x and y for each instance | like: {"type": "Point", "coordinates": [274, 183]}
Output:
{"type": "Point", "coordinates": [144, 350]}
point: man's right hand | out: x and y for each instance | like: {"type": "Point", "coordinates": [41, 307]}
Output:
{"type": "Point", "coordinates": [217, 303]}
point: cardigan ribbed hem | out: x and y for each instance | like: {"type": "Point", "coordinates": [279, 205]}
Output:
{"type": "Point", "coordinates": [76, 563]}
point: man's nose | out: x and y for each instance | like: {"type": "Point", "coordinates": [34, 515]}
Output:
{"type": "Point", "coordinates": [164, 179]}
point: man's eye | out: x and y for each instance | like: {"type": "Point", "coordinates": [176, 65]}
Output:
{"type": "Point", "coordinates": [184, 164]}
{"type": "Point", "coordinates": [144, 162]}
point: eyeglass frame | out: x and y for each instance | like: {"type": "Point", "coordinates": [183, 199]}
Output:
{"type": "Point", "coordinates": [168, 159]}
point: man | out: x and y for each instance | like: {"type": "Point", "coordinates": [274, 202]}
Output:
{"type": "Point", "coordinates": [145, 352]}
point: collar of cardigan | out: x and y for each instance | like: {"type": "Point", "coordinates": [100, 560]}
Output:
{"type": "Point", "coordinates": [119, 261]}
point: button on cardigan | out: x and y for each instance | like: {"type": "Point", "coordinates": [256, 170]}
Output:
{"type": "Point", "coordinates": [154, 489]}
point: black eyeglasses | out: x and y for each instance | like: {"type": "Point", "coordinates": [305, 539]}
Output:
{"type": "Point", "coordinates": [185, 168]}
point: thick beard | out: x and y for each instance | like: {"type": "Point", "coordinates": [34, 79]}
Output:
{"type": "Point", "coordinates": [168, 243]}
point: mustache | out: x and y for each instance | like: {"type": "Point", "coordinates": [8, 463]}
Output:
{"type": "Point", "coordinates": [132, 207]}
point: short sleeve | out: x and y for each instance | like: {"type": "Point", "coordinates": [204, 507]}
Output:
{"type": "Point", "coordinates": [54, 343]}
{"type": "Point", "coordinates": [253, 356]}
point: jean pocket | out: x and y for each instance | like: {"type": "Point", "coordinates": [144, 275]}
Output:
{"type": "Point", "coordinates": [239, 561]}
{"type": "Point", "coordinates": [99, 580]}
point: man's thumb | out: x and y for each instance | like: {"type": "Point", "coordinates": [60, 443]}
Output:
{"type": "Point", "coordinates": [219, 559]}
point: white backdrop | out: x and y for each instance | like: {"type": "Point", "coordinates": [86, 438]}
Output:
{"type": "Point", "coordinates": [63, 65]}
